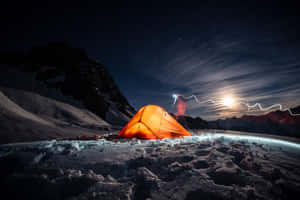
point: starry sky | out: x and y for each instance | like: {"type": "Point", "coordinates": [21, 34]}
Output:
{"type": "Point", "coordinates": [212, 49]}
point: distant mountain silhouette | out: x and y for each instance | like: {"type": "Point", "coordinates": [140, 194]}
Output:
{"type": "Point", "coordinates": [276, 122]}
{"type": "Point", "coordinates": [191, 122]}
{"type": "Point", "coordinates": [283, 118]}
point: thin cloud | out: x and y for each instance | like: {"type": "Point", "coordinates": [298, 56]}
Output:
{"type": "Point", "coordinates": [250, 70]}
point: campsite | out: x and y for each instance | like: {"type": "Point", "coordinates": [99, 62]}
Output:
{"type": "Point", "coordinates": [150, 100]}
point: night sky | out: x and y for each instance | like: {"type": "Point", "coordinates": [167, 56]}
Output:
{"type": "Point", "coordinates": [249, 51]}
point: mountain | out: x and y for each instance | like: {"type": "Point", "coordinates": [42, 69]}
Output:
{"type": "Point", "coordinates": [191, 122]}
{"type": "Point", "coordinates": [276, 122]}
{"type": "Point", "coordinates": [279, 117]}
{"type": "Point", "coordinates": [56, 91]}
{"type": "Point", "coordinates": [48, 91]}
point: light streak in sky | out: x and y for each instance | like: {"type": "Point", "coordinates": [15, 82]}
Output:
{"type": "Point", "coordinates": [269, 108]}
{"type": "Point", "coordinates": [256, 105]}
{"type": "Point", "coordinates": [175, 96]}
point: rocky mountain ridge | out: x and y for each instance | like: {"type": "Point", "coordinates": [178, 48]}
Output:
{"type": "Point", "coordinates": [276, 122]}
{"type": "Point", "coordinates": [69, 71]}
{"type": "Point", "coordinates": [56, 91]}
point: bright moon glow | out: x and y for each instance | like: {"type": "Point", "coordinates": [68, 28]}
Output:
{"type": "Point", "coordinates": [228, 101]}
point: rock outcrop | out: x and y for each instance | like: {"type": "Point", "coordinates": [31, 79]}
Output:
{"type": "Point", "coordinates": [80, 80]}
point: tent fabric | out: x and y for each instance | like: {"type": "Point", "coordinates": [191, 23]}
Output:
{"type": "Point", "coordinates": [153, 122]}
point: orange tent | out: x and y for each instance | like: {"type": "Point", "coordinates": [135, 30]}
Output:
{"type": "Point", "coordinates": [153, 122]}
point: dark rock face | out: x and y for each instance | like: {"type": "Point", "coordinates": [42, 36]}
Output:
{"type": "Point", "coordinates": [70, 71]}
{"type": "Point", "coordinates": [191, 123]}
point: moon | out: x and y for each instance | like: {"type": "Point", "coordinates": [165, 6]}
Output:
{"type": "Point", "coordinates": [228, 101]}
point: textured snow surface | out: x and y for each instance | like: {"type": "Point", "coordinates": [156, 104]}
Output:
{"type": "Point", "coordinates": [207, 166]}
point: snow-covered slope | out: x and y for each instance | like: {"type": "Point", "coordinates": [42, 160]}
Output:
{"type": "Point", "coordinates": [51, 110]}
{"type": "Point", "coordinates": [26, 116]}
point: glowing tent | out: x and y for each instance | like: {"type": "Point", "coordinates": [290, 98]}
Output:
{"type": "Point", "coordinates": [153, 122]}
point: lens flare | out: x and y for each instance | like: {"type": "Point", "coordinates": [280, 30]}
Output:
{"type": "Point", "coordinates": [181, 107]}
